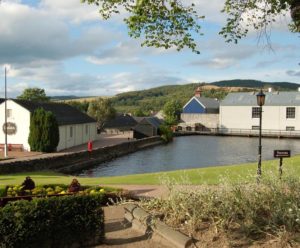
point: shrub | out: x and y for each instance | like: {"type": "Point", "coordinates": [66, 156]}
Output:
{"type": "Point", "coordinates": [52, 222]}
{"type": "Point", "coordinates": [166, 133]}
{"type": "Point", "coordinates": [43, 132]}
{"type": "Point", "coordinates": [256, 211]}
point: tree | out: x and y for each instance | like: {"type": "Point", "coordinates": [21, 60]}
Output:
{"type": "Point", "coordinates": [82, 106]}
{"type": "Point", "coordinates": [174, 23]}
{"type": "Point", "coordinates": [34, 94]}
{"type": "Point", "coordinates": [43, 131]}
{"type": "Point", "coordinates": [102, 110]}
{"type": "Point", "coordinates": [171, 112]}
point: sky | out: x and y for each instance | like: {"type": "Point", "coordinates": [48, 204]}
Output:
{"type": "Point", "coordinates": [65, 48]}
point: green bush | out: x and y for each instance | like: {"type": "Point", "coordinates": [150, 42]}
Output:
{"type": "Point", "coordinates": [52, 222]}
{"type": "Point", "coordinates": [166, 133]}
{"type": "Point", "coordinates": [43, 131]}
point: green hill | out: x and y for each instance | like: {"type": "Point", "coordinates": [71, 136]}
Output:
{"type": "Point", "coordinates": [144, 102]}
{"type": "Point", "coordinates": [283, 86]}
{"type": "Point", "coordinates": [153, 99]}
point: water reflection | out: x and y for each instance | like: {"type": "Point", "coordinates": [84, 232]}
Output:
{"type": "Point", "coordinates": [193, 152]}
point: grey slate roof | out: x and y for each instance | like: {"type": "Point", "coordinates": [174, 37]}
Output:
{"type": "Point", "coordinates": [64, 113]}
{"type": "Point", "coordinates": [209, 103]}
{"type": "Point", "coordinates": [272, 99]}
{"type": "Point", "coordinates": [121, 121]}
{"type": "Point", "coordinates": [154, 121]}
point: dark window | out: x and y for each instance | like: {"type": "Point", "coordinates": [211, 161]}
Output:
{"type": "Point", "coordinates": [255, 112]}
{"type": "Point", "coordinates": [290, 128]}
{"type": "Point", "coordinates": [71, 132]}
{"type": "Point", "coordinates": [290, 113]}
{"type": "Point", "coordinates": [255, 127]}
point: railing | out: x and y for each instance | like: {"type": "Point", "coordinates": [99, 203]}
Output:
{"type": "Point", "coordinates": [245, 132]}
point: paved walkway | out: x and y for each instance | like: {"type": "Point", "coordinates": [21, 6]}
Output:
{"type": "Point", "coordinates": [102, 141]}
{"type": "Point", "coordinates": [119, 233]}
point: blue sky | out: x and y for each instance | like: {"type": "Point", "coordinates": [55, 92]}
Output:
{"type": "Point", "coordinates": [65, 48]}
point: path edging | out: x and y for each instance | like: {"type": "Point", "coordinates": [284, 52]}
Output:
{"type": "Point", "coordinates": [144, 221]}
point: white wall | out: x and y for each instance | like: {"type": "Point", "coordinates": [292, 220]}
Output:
{"type": "Point", "coordinates": [273, 118]}
{"type": "Point", "coordinates": [21, 117]}
{"type": "Point", "coordinates": [81, 134]}
{"type": "Point", "coordinates": [207, 120]}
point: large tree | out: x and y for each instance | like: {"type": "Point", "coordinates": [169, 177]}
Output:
{"type": "Point", "coordinates": [175, 23]}
{"type": "Point", "coordinates": [102, 110]}
{"type": "Point", "coordinates": [34, 94]}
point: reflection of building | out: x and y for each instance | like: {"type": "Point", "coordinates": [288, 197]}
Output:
{"type": "Point", "coordinates": [147, 127]}
{"type": "Point", "coordinates": [281, 111]}
{"type": "Point", "coordinates": [121, 124]}
{"type": "Point", "coordinates": [75, 127]}
{"type": "Point", "coordinates": [199, 113]}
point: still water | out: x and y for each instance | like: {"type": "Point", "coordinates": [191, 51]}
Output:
{"type": "Point", "coordinates": [193, 152]}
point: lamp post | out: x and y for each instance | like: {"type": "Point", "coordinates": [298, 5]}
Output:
{"type": "Point", "coordinates": [5, 113]}
{"type": "Point", "coordinates": [260, 102]}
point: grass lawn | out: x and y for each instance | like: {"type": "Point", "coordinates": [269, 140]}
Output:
{"type": "Point", "coordinates": [210, 175]}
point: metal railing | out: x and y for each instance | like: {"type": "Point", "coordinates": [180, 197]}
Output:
{"type": "Point", "coordinates": [244, 132]}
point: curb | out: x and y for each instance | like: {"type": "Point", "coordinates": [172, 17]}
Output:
{"type": "Point", "coordinates": [145, 222]}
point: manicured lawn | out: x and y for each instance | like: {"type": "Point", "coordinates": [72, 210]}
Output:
{"type": "Point", "coordinates": [210, 175]}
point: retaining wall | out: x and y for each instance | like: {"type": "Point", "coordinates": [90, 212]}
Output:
{"type": "Point", "coordinates": [77, 161]}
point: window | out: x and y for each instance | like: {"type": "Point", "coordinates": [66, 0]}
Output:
{"type": "Point", "coordinates": [86, 129]}
{"type": "Point", "coordinates": [255, 112]}
{"type": "Point", "coordinates": [290, 128]}
{"type": "Point", "coordinates": [255, 127]}
{"type": "Point", "coordinates": [290, 113]}
{"type": "Point", "coordinates": [71, 132]}
{"type": "Point", "coordinates": [9, 113]}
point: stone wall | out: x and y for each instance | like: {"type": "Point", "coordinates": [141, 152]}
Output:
{"type": "Point", "coordinates": [207, 120]}
{"type": "Point", "coordinates": [77, 161]}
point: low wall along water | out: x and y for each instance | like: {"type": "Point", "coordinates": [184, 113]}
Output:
{"type": "Point", "coordinates": [77, 161]}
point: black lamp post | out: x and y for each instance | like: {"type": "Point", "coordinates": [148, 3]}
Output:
{"type": "Point", "coordinates": [260, 102]}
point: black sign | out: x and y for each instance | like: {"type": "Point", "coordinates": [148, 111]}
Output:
{"type": "Point", "coordinates": [282, 153]}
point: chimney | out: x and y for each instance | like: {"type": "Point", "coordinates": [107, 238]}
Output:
{"type": "Point", "coordinates": [270, 90]}
{"type": "Point", "coordinates": [198, 92]}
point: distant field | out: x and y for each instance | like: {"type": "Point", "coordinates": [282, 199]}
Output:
{"type": "Point", "coordinates": [83, 99]}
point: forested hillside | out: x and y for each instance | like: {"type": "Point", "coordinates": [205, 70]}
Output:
{"type": "Point", "coordinates": [283, 86]}
{"type": "Point", "coordinates": [145, 102]}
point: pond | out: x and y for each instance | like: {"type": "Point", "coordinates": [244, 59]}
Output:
{"type": "Point", "coordinates": [193, 152]}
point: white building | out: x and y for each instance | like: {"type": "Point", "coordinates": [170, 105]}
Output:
{"type": "Point", "coordinates": [281, 112]}
{"type": "Point", "coordinates": [75, 127]}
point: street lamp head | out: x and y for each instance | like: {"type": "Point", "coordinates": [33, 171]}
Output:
{"type": "Point", "coordinates": [260, 98]}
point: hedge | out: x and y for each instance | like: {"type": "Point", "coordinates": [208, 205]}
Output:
{"type": "Point", "coordinates": [53, 222]}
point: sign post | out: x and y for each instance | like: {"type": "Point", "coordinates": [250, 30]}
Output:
{"type": "Point", "coordinates": [281, 154]}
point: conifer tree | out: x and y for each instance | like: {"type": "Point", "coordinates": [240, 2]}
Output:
{"type": "Point", "coordinates": [44, 132]}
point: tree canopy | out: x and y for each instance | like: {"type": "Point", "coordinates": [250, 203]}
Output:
{"type": "Point", "coordinates": [171, 111]}
{"type": "Point", "coordinates": [175, 23]}
{"type": "Point", "coordinates": [34, 94]}
{"type": "Point", "coordinates": [101, 109]}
